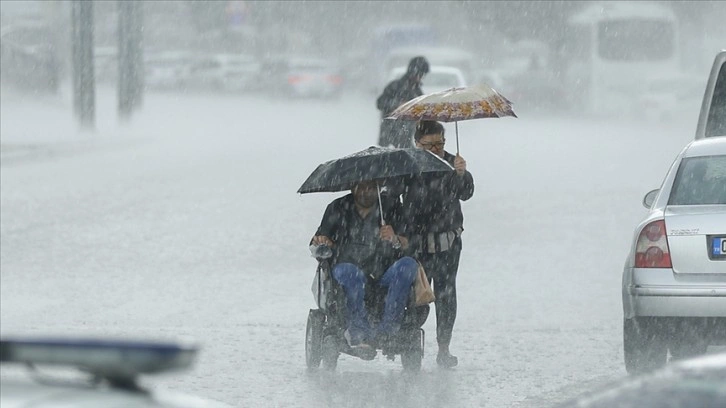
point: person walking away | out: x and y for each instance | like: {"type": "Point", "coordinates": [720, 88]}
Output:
{"type": "Point", "coordinates": [432, 207]}
{"type": "Point", "coordinates": [398, 133]}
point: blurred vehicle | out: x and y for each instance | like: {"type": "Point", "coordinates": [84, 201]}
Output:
{"type": "Point", "coordinates": [28, 57]}
{"type": "Point", "coordinates": [303, 77]}
{"type": "Point", "coordinates": [712, 120]}
{"type": "Point", "coordinates": [612, 48]}
{"type": "Point", "coordinates": [699, 382]}
{"type": "Point", "coordinates": [670, 97]}
{"type": "Point", "coordinates": [108, 373]}
{"type": "Point", "coordinates": [225, 72]}
{"type": "Point", "coordinates": [439, 78]}
{"type": "Point", "coordinates": [674, 279]}
{"type": "Point", "coordinates": [171, 69]}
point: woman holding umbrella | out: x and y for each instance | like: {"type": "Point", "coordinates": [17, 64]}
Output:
{"type": "Point", "coordinates": [433, 210]}
{"type": "Point", "coordinates": [433, 201]}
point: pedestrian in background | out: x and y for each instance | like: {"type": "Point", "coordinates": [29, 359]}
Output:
{"type": "Point", "coordinates": [399, 133]}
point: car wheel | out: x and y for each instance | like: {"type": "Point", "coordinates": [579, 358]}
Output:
{"type": "Point", "coordinates": [413, 353]}
{"type": "Point", "coordinates": [314, 338]}
{"type": "Point", "coordinates": [643, 346]}
{"type": "Point", "coordinates": [330, 353]}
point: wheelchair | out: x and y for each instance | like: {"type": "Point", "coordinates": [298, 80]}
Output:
{"type": "Point", "coordinates": [324, 334]}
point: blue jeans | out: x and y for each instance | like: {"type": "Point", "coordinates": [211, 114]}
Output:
{"type": "Point", "coordinates": [398, 278]}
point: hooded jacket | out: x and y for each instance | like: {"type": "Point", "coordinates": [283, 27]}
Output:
{"type": "Point", "coordinates": [404, 89]}
{"type": "Point", "coordinates": [398, 92]}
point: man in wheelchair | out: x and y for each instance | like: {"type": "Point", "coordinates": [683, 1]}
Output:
{"type": "Point", "coordinates": [369, 263]}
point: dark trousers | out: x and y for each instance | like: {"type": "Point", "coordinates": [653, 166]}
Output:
{"type": "Point", "coordinates": [441, 268]}
{"type": "Point", "coordinates": [398, 133]}
{"type": "Point", "coordinates": [398, 278]}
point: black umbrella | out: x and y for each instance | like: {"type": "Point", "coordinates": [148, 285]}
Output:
{"type": "Point", "coordinates": [372, 164]}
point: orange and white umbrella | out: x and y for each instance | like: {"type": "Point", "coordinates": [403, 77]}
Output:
{"type": "Point", "coordinates": [455, 104]}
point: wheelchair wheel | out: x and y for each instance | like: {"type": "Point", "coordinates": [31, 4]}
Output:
{"type": "Point", "coordinates": [413, 352]}
{"type": "Point", "coordinates": [330, 353]}
{"type": "Point", "coordinates": [314, 338]}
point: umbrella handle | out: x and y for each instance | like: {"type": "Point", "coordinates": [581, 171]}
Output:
{"type": "Point", "coordinates": [456, 126]}
{"type": "Point", "coordinates": [380, 204]}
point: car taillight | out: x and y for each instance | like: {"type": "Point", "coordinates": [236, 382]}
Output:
{"type": "Point", "coordinates": [295, 79]}
{"type": "Point", "coordinates": [335, 79]}
{"type": "Point", "coordinates": [651, 250]}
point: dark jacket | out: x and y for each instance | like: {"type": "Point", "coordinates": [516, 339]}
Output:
{"type": "Point", "coordinates": [357, 240]}
{"type": "Point", "coordinates": [431, 202]}
{"type": "Point", "coordinates": [396, 93]}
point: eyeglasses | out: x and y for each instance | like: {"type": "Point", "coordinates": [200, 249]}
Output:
{"type": "Point", "coordinates": [429, 146]}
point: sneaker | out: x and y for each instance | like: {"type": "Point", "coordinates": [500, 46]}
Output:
{"type": "Point", "coordinates": [355, 343]}
{"type": "Point", "coordinates": [360, 349]}
{"type": "Point", "coordinates": [446, 360]}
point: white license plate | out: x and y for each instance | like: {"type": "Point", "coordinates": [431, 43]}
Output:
{"type": "Point", "coordinates": [718, 247]}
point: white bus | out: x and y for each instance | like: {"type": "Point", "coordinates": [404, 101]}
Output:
{"type": "Point", "coordinates": [613, 48]}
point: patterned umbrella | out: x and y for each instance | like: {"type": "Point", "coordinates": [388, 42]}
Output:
{"type": "Point", "coordinates": [456, 104]}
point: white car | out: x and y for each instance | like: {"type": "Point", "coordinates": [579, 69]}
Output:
{"type": "Point", "coordinates": [108, 373]}
{"type": "Point", "coordinates": [168, 69]}
{"type": "Point", "coordinates": [226, 72]}
{"type": "Point", "coordinates": [439, 78]}
{"type": "Point", "coordinates": [674, 279]}
{"type": "Point", "coordinates": [307, 77]}
{"type": "Point", "coordinates": [712, 120]}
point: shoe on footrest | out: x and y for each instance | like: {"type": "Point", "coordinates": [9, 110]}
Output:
{"type": "Point", "coordinates": [360, 349]}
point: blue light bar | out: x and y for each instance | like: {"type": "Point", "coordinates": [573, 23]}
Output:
{"type": "Point", "coordinates": [105, 358]}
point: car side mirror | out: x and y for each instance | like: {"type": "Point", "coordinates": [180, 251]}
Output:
{"type": "Point", "coordinates": [650, 198]}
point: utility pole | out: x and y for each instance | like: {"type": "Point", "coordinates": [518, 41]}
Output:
{"type": "Point", "coordinates": [130, 78]}
{"type": "Point", "coordinates": [84, 83]}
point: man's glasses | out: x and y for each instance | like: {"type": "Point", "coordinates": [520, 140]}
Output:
{"type": "Point", "coordinates": [429, 146]}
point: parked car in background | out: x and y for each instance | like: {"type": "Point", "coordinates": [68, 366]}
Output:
{"type": "Point", "coordinates": [225, 72]}
{"type": "Point", "coordinates": [672, 96]}
{"type": "Point", "coordinates": [439, 78]}
{"type": "Point", "coordinates": [674, 279]}
{"type": "Point", "coordinates": [303, 77]}
{"type": "Point", "coordinates": [712, 120]}
{"type": "Point", "coordinates": [108, 373]}
{"type": "Point", "coordinates": [28, 59]}
{"type": "Point", "coordinates": [699, 382]}
{"type": "Point", "coordinates": [171, 69]}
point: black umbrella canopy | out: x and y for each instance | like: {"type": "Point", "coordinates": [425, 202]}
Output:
{"type": "Point", "coordinates": [374, 163]}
